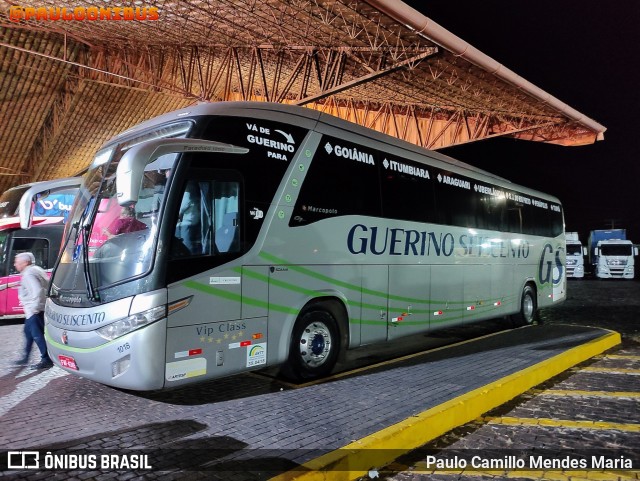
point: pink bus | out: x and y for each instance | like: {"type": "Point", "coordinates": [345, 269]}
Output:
{"type": "Point", "coordinates": [32, 218]}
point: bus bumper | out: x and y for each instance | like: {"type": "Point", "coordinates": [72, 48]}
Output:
{"type": "Point", "coordinates": [127, 362]}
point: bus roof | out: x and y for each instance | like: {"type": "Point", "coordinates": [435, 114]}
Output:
{"type": "Point", "coordinates": [310, 119]}
{"type": "Point", "coordinates": [43, 185]}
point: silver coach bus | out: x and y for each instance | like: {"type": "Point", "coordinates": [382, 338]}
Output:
{"type": "Point", "coordinates": [232, 236]}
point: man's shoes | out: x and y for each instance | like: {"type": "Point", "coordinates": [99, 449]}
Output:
{"type": "Point", "coordinates": [42, 365]}
{"type": "Point", "coordinates": [21, 362]}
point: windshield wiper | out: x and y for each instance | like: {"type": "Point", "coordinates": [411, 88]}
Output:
{"type": "Point", "coordinates": [65, 244]}
{"type": "Point", "coordinates": [76, 225]}
{"type": "Point", "coordinates": [92, 293]}
{"type": "Point", "coordinates": [84, 225]}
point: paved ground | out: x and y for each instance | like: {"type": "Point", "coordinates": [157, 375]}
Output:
{"type": "Point", "coordinates": [254, 426]}
{"type": "Point", "coordinates": [611, 304]}
{"type": "Point", "coordinates": [586, 415]}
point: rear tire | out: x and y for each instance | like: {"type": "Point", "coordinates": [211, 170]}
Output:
{"type": "Point", "coordinates": [528, 314]}
{"type": "Point", "coordinates": [315, 344]}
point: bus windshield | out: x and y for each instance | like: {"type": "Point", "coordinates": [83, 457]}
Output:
{"type": "Point", "coordinates": [113, 243]}
{"type": "Point", "coordinates": [120, 241]}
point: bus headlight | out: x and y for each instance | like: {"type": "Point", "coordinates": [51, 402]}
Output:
{"type": "Point", "coordinates": [128, 324]}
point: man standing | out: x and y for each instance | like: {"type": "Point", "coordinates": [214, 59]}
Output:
{"type": "Point", "coordinates": [32, 295]}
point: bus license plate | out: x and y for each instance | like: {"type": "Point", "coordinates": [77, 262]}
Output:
{"type": "Point", "coordinates": [68, 362]}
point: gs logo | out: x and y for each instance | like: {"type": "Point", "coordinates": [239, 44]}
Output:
{"type": "Point", "coordinates": [550, 268]}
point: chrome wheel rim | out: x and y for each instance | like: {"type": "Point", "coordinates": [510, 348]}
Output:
{"type": "Point", "coordinates": [315, 344]}
{"type": "Point", "coordinates": [527, 308]}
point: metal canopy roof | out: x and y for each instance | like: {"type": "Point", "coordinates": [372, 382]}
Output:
{"type": "Point", "coordinates": [68, 85]}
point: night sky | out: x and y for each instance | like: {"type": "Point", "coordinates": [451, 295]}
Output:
{"type": "Point", "coordinates": [585, 53]}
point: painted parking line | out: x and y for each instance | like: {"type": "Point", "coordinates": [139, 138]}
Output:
{"type": "Point", "coordinates": [609, 370]}
{"type": "Point", "coordinates": [562, 423]}
{"type": "Point", "coordinates": [622, 357]}
{"type": "Point", "coordinates": [383, 447]}
{"type": "Point", "coordinates": [572, 393]}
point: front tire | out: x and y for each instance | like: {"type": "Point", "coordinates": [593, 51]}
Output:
{"type": "Point", "coordinates": [528, 314]}
{"type": "Point", "coordinates": [315, 344]}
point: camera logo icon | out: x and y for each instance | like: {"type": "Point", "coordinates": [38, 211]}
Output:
{"type": "Point", "coordinates": [23, 460]}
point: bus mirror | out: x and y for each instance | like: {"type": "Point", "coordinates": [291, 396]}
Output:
{"type": "Point", "coordinates": [26, 214]}
{"type": "Point", "coordinates": [584, 251]}
{"type": "Point", "coordinates": [596, 251]}
{"type": "Point", "coordinates": [635, 251]}
{"type": "Point", "coordinates": [131, 167]}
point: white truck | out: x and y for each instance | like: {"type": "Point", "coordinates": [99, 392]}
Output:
{"type": "Point", "coordinates": [575, 256]}
{"type": "Point", "coordinates": [611, 254]}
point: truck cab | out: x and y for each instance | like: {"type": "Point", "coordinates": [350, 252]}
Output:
{"type": "Point", "coordinates": [615, 259]}
{"type": "Point", "coordinates": [612, 254]}
{"type": "Point", "coordinates": [575, 256]}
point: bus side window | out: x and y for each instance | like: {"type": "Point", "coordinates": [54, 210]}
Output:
{"type": "Point", "coordinates": [226, 225]}
{"type": "Point", "coordinates": [208, 221]}
{"type": "Point", "coordinates": [514, 218]}
{"type": "Point", "coordinates": [189, 226]}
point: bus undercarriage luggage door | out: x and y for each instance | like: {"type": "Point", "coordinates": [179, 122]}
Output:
{"type": "Point", "coordinates": [477, 293]}
{"type": "Point", "coordinates": [446, 296]}
{"type": "Point", "coordinates": [375, 307]}
{"type": "Point", "coordinates": [409, 288]}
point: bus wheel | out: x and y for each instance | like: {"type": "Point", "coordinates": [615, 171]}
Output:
{"type": "Point", "coordinates": [528, 314]}
{"type": "Point", "coordinates": [314, 346]}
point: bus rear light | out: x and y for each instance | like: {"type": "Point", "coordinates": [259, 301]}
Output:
{"type": "Point", "coordinates": [498, 303]}
{"type": "Point", "coordinates": [120, 366]}
{"type": "Point", "coordinates": [438, 313]}
{"type": "Point", "coordinates": [471, 308]}
{"type": "Point", "coordinates": [397, 319]}
{"type": "Point", "coordinates": [257, 335]}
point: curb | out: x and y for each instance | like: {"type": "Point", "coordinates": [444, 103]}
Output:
{"type": "Point", "coordinates": [383, 447]}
